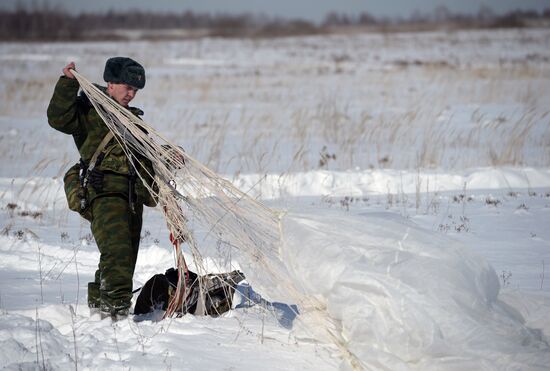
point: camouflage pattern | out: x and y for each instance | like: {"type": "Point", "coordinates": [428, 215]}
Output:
{"type": "Point", "coordinates": [117, 232]}
{"type": "Point", "coordinates": [115, 228]}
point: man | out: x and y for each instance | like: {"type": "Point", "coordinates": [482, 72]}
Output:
{"type": "Point", "coordinates": [114, 196]}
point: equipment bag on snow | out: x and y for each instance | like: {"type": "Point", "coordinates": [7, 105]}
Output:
{"type": "Point", "coordinates": [217, 297]}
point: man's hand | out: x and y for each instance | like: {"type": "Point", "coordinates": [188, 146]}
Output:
{"type": "Point", "coordinates": [67, 70]}
{"type": "Point", "coordinates": [175, 159]}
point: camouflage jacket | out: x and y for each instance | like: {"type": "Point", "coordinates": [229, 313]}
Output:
{"type": "Point", "coordinates": [74, 114]}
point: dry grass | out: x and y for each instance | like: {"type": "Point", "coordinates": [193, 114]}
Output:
{"type": "Point", "coordinates": [367, 104]}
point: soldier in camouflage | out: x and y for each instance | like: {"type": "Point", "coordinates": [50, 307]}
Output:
{"type": "Point", "coordinates": [115, 195]}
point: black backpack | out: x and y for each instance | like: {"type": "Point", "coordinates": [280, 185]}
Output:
{"type": "Point", "coordinates": [217, 298]}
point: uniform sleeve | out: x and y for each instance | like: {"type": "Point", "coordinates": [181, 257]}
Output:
{"type": "Point", "coordinates": [62, 110]}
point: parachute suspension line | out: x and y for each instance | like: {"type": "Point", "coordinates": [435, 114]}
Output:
{"type": "Point", "coordinates": [186, 188]}
{"type": "Point", "coordinates": [179, 298]}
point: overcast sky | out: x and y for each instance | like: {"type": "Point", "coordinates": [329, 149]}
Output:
{"type": "Point", "coordinates": [313, 10]}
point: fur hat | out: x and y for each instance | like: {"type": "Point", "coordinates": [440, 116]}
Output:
{"type": "Point", "coordinates": [122, 70]}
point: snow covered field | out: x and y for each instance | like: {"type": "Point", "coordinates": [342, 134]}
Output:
{"type": "Point", "coordinates": [414, 169]}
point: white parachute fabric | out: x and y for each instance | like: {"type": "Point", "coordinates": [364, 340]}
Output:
{"type": "Point", "coordinates": [409, 299]}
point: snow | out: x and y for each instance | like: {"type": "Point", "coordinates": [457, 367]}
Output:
{"type": "Point", "coordinates": [425, 239]}
{"type": "Point", "coordinates": [360, 183]}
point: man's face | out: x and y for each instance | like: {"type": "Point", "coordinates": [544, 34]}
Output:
{"type": "Point", "coordinates": [122, 93]}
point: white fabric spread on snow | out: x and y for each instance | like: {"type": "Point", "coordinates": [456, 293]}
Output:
{"type": "Point", "coordinates": [409, 299]}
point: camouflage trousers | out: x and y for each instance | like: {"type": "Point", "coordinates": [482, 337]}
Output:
{"type": "Point", "coordinates": [117, 232]}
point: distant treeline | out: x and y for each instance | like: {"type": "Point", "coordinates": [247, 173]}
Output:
{"type": "Point", "coordinates": [45, 23]}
